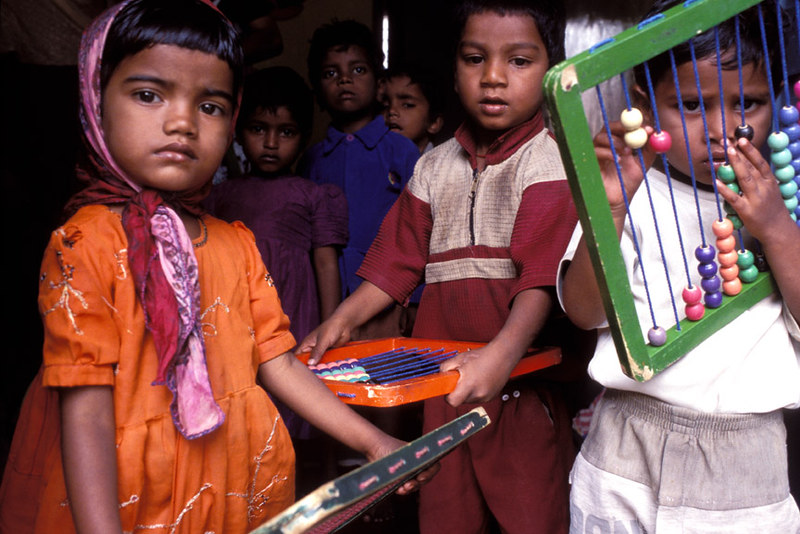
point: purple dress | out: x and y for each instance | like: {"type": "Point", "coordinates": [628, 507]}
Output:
{"type": "Point", "coordinates": [289, 216]}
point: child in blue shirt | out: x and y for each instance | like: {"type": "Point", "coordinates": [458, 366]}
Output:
{"type": "Point", "coordinates": [359, 154]}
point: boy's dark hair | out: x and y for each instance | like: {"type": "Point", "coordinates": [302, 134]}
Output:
{"type": "Point", "coordinates": [189, 24]}
{"type": "Point", "coordinates": [429, 82]}
{"type": "Point", "coordinates": [549, 16]}
{"type": "Point", "coordinates": [750, 45]}
{"type": "Point", "coordinates": [341, 35]}
{"type": "Point", "coordinates": [276, 87]}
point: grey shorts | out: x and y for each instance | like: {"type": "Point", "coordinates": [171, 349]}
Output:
{"type": "Point", "coordinates": [657, 465]}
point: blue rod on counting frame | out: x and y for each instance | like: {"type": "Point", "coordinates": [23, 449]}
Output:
{"type": "Point", "coordinates": [564, 84]}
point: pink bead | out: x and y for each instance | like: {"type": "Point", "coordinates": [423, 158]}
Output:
{"type": "Point", "coordinates": [797, 89]}
{"type": "Point", "coordinates": [722, 228]}
{"type": "Point", "coordinates": [695, 312]}
{"type": "Point", "coordinates": [732, 287]}
{"type": "Point", "coordinates": [660, 142]}
{"type": "Point", "coordinates": [729, 273]}
{"type": "Point", "coordinates": [692, 295]}
{"type": "Point", "coordinates": [726, 244]}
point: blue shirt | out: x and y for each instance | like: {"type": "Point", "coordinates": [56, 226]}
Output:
{"type": "Point", "coordinates": [371, 166]}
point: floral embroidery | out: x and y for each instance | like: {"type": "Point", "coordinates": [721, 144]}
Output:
{"type": "Point", "coordinates": [210, 329]}
{"type": "Point", "coordinates": [257, 499]}
{"type": "Point", "coordinates": [67, 291]}
{"type": "Point", "coordinates": [173, 527]}
{"type": "Point", "coordinates": [270, 281]}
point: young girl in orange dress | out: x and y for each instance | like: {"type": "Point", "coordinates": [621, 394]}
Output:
{"type": "Point", "coordinates": [161, 323]}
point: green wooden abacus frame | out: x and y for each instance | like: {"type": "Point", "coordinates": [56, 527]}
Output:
{"type": "Point", "coordinates": [564, 84]}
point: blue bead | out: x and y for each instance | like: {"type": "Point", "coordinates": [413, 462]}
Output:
{"type": "Point", "coordinates": [711, 284]}
{"type": "Point", "coordinates": [707, 270]}
{"type": "Point", "coordinates": [713, 300]}
{"type": "Point", "coordinates": [794, 148]}
{"type": "Point", "coordinates": [705, 254]}
{"type": "Point", "coordinates": [796, 165]}
{"type": "Point", "coordinates": [793, 132]}
{"type": "Point", "coordinates": [788, 115]}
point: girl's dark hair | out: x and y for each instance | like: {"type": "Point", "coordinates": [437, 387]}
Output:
{"type": "Point", "coordinates": [341, 35]}
{"type": "Point", "coordinates": [189, 24]}
{"type": "Point", "coordinates": [548, 14]}
{"type": "Point", "coordinates": [274, 87]}
{"type": "Point", "coordinates": [750, 45]}
{"type": "Point", "coordinates": [429, 81]}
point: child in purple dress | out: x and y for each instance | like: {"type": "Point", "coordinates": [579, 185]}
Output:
{"type": "Point", "coordinates": [298, 224]}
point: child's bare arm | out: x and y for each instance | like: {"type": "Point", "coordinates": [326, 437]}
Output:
{"type": "Point", "coordinates": [764, 214]}
{"type": "Point", "coordinates": [580, 294]}
{"type": "Point", "coordinates": [358, 308]}
{"type": "Point", "coordinates": [329, 285]}
{"type": "Point", "coordinates": [90, 458]}
{"type": "Point", "coordinates": [293, 383]}
{"type": "Point", "coordinates": [485, 371]}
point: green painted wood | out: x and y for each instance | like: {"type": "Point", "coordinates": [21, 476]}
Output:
{"type": "Point", "coordinates": [564, 84]}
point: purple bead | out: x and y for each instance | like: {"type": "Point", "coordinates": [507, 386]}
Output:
{"type": "Point", "coordinates": [705, 254]}
{"type": "Point", "coordinates": [788, 115]}
{"type": "Point", "coordinates": [793, 132]}
{"type": "Point", "coordinates": [707, 270]}
{"type": "Point", "coordinates": [657, 336]}
{"type": "Point", "coordinates": [711, 284]}
{"type": "Point", "coordinates": [744, 130]}
{"type": "Point", "coordinates": [796, 165]}
{"type": "Point", "coordinates": [713, 300]}
{"type": "Point", "coordinates": [794, 148]}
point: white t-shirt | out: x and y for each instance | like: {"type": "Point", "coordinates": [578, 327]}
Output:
{"type": "Point", "coordinates": [752, 365]}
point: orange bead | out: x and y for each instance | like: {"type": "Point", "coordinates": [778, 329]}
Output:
{"type": "Point", "coordinates": [722, 228]}
{"type": "Point", "coordinates": [729, 273]}
{"type": "Point", "coordinates": [726, 244]}
{"type": "Point", "coordinates": [732, 287]}
{"type": "Point", "coordinates": [726, 259]}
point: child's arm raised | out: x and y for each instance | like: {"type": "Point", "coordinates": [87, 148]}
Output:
{"type": "Point", "coordinates": [90, 458]}
{"type": "Point", "coordinates": [357, 309]}
{"type": "Point", "coordinates": [292, 382]}
{"type": "Point", "coordinates": [329, 285]}
{"type": "Point", "coordinates": [765, 216]}
{"type": "Point", "coordinates": [581, 296]}
{"type": "Point", "coordinates": [485, 371]}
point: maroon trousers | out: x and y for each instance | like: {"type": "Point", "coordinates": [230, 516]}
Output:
{"type": "Point", "coordinates": [515, 470]}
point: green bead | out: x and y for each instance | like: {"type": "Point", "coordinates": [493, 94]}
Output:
{"type": "Point", "coordinates": [791, 203]}
{"type": "Point", "coordinates": [746, 259]}
{"type": "Point", "coordinates": [788, 189]}
{"type": "Point", "coordinates": [781, 158]}
{"type": "Point", "coordinates": [785, 174]}
{"type": "Point", "coordinates": [778, 141]}
{"type": "Point", "coordinates": [748, 275]}
{"type": "Point", "coordinates": [736, 220]}
{"type": "Point", "coordinates": [734, 187]}
{"type": "Point", "coordinates": [726, 174]}
{"type": "Point", "coordinates": [729, 210]}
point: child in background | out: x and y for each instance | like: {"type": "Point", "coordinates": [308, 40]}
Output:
{"type": "Point", "coordinates": [160, 323]}
{"type": "Point", "coordinates": [298, 225]}
{"type": "Point", "coordinates": [700, 447]}
{"type": "Point", "coordinates": [485, 219]}
{"type": "Point", "coordinates": [359, 154]}
{"type": "Point", "coordinates": [413, 105]}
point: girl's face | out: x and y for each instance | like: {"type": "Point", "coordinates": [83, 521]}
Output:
{"type": "Point", "coordinates": [167, 115]}
{"type": "Point", "coordinates": [758, 113]}
{"type": "Point", "coordinates": [271, 140]}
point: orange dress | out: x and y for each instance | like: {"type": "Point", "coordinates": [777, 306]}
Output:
{"type": "Point", "coordinates": [226, 482]}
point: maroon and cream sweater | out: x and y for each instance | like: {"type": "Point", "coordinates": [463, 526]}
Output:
{"type": "Point", "coordinates": [476, 238]}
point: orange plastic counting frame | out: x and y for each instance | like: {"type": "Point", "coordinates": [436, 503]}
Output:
{"type": "Point", "coordinates": [402, 388]}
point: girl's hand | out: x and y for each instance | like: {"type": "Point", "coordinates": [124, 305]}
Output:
{"type": "Point", "coordinates": [760, 205]}
{"type": "Point", "coordinates": [629, 164]}
{"type": "Point", "coordinates": [387, 445]}
{"type": "Point", "coordinates": [482, 375]}
{"type": "Point", "coordinates": [331, 333]}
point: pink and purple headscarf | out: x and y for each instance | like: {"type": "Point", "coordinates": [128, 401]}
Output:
{"type": "Point", "coordinates": [160, 251]}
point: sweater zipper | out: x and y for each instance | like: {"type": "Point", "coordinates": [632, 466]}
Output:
{"type": "Point", "coordinates": [473, 191]}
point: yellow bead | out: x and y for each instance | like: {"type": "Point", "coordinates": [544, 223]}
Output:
{"type": "Point", "coordinates": [636, 138]}
{"type": "Point", "coordinates": [631, 119]}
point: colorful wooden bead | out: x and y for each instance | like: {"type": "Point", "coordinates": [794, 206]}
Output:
{"type": "Point", "coordinates": [781, 158]}
{"type": "Point", "coordinates": [788, 115]}
{"type": "Point", "coordinates": [695, 312]}
{"type": "Point", "coordinates": [722, 228]}
{"type": "Point", "coordinates": [713, 300]}
{"type": "Point", "coordinates": [728, 272]}
{"type": "Point", "coordinates": [736, 220]}
{"type": "Point", "coordinates": [732, 287]}
{"type": "Point", "coordinates": [692, 295]}
{"type": "Point", "coordinates": [657, 336]}
{"type": "Point", "coordinates": [707, 270]}
{"type": "Point", "coordinates": [749, 274]}
{"type": "Point", "coordinates": [797, 89]}
{"type": "Point", "coordinates": [777, 141]}
{"type": "Point", "coordinates": [744, 130]}
{"type": "Point", "coordinates": [660, 142]}
{"type": "Point", "coordinates": [711, 284]}
{"type": "Point", "coordinates": [792, 131]}
{"type": "Point", "coordinates": [705, 254]}
{"type": "Point", "coordinates": [637, 138]}
{"type": "Point", "coordinates": [746, 259]}
{"type": "Point", "coordinates": [788, 189]}
{"type": "Point", "coordinates": [631, 119]}
{"type": "Point", "coordinates": [785, 174]}
{"type": "Point", "coordinates": [725, 174]}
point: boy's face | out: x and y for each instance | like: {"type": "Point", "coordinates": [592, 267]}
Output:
{"type": "Point", "coordinates": [758, 113]}
{"type": "Point", "coordinates": [271, 140]}
{"type": "Point", "coordinates": [348, 81]}
{"type": "Point", "coordinates": [406, 110]}
{"type": "Point", "coordinates": [500, 64]}
{"type": "Point", "coordinates": [167, 115]}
